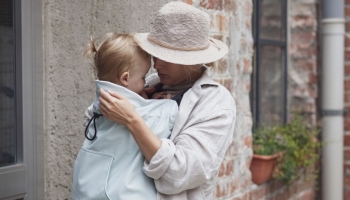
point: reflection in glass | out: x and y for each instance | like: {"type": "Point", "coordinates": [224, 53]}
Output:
{"type": "Point", "coordinates": [271, 19]}
{"type": "Point", "coordinates": [271, 86]}
{"type": "Point", "coordinates": [7, 80]}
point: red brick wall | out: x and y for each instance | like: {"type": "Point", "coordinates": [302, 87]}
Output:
{"type": "Point", "coordinates": [347, 102]}
{"type": "Point", "coordinates": [231, 22]}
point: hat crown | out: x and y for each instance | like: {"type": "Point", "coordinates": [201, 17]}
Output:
{"type": "Point", "coordinates": [181, 26]}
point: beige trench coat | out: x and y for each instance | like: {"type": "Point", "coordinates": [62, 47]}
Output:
{"type": "Point", "coordinates": [186, 166]}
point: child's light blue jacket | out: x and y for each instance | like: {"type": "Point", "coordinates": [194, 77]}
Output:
{"type": "Point", "coordinates": [110, 167]}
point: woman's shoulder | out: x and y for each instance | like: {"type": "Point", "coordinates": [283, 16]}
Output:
{"type": "Point", "coordinates": [207, 88]}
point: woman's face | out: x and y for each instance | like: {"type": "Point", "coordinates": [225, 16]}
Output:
{"type": "Point", "coordinates": [172, 74]}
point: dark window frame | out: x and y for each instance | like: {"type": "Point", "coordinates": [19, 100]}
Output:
{"type": "Point", "coordinates": [258, 43]}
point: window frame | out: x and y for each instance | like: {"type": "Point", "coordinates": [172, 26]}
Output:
{"type": "Point", "coordinates": [15, 175]}
{"type": "Point", "coordinates": [25, 179]}
{"type": "Point", "coordinates": [258, 43]}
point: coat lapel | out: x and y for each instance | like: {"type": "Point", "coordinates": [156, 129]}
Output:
{"type": "Point", "coordinates": [189, 100]}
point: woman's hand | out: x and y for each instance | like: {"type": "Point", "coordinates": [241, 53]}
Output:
{"type": "Point", "coordinates": [116, 107]}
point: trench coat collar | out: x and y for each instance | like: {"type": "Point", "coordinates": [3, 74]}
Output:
{"type": "Point", "coordinates": [136, 100]}
{"type": "Point", "coordinates": [189, 100]}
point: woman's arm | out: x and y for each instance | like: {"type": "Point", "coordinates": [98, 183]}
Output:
{"type": "Point", "coordinates": [124, 112]}
{"type": "Point", "coordinates": [194, 156]}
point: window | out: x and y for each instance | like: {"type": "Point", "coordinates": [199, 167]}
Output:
{"type": "Point", "coordinates": [21, 130]}
{"type": "Point", "coordinates": [12, 170]}
{"type": "Point", "coordinates": [8, 151]}
{"type": "Point", "coordinates": [269, 78]}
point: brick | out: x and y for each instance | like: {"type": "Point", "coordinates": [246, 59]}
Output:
{"type": "Point", "coordinates": [347, 55]}
{"type": "Point", "coordinates": [347, 11]}
{"type": "Point", "coordinates": [248, 24]}
{"type": "Point", "coordinates": [234, 185]}
{"type": "Point", "coordinates": [347, 155]}
{"type": "Point", "coordinates": [222, 170]}
{"type": "Point", "coordinates": [347, 41]}
{"type": "Point", "coordinates": [275, 185]}
{"type": "Point", "coordinates": [245, 180]}
{"type": "Point", "coordinates": [222, 23]}
{"type": "Point", "coordinates": [280, 196]}
{"type": "Point", "coordinates": [246, 45]}
{"type": "Point", "coordinates": [347, 171]}
{"type": "Point", "coordinates": [260, 192]}
{"type": "Point", "coordinates": [248, 141]}
{"type": "Point", "coordinates": [242, 197]}
{"type": "Point", "coordinates": [247, 65]}
{"type": "Point", "coordinates": [312, 90]}
{"type": "Point", "coordinates": [347, 124]}
{"type": "Point", "coordinates": [248, 7]}
{"type": "Point", "coordinates": [347, 84]}
{"type": "Point", "coordinates": [303, 21]}
{"type": "Point", "coordinates": [229, 167]}
{"type": "Point", "coordinates": [346, 193]}
{"type": "Point", "coordinates": [221, 190]}
{"type": "Point", "coordinates": [347, 181]}
{"type": "Point", "coordinates": [303, 37]}
{"type": "Point", "coordinates": [226, 82]}
{"type": "Point", "coordinates": [188, 1]}
{"type": "Point", "coordinates": [211, 4]}
{"type": "Point", "coordinates": [346, 98]}
{"type": "Point", "coordinates": [312, 78]}
{"type": "Point", "coordinates": [347, 116]}
{"type": "Point", "coordinates": [308, 195]}
{"type": "Point", "coordinates": [347, 69]}
{"type": "Point", "coordinates": [305, 64]}
{"type": "Point", "coordinates": [231, 6]}
{"type": "Point", "coordinates": [347, 26]}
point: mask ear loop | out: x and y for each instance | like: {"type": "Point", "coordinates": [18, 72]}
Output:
{"type": "Point", "coordinates": [211, 40]}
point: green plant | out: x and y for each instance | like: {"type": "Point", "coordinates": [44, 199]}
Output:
{"type": "Point", "coordinates": [266, 141]}
{"type": "Point", "coordinates": [298, 142]}
{"type": "Point", "coordinates": [302, 149]}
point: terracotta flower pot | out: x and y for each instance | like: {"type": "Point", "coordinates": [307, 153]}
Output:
{"type": "Point", "coordinates": [262, 167]}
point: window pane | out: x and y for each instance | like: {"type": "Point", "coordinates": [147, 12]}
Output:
{"type": "Point", "coordinates": [7, 80]}
{"type": "Point", "coordinates": [271, 84]}
{"type": "Point", "coordinates": [271, 19]}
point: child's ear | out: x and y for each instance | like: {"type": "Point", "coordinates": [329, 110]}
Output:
{"type": "Point", "coordinates": [124, 79]}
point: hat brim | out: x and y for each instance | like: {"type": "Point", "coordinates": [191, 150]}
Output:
{"type": "Point", "coordinates": [213, 53]}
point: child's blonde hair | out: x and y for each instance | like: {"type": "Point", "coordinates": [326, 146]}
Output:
{"type": "Point", "coordinates": [117, 54]}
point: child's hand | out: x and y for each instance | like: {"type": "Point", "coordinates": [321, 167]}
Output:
{"type": "Point", "coordinates": [161, 95]}
{"type": "Point", "coordinates": [147, 92]}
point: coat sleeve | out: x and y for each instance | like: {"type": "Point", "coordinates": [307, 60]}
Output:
{"type": "Point", "coordinates": [194, 156]}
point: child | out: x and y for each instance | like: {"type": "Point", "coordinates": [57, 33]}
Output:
{"type": "Point", "coordinates": [109, 164]}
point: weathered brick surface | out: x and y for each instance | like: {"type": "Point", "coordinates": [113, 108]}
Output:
{"type": "Point", "coordinates": [347, 101]}
{"type": "Point", "coordinates": [231, 23]}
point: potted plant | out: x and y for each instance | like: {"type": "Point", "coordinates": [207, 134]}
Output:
{"type": "Point", "coordinates": [267, 148]}
{"type": "Point", "coordinates": [289, 148]}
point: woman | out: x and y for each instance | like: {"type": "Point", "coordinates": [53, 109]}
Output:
{"type": "Point", "coordinates": [186, 165]}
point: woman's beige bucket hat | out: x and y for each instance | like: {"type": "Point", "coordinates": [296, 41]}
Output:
{"type": "Point", "coordinates": [180, 35]}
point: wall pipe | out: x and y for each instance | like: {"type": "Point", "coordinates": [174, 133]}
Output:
{"type": "Point", "coordinates": [332, 99]}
